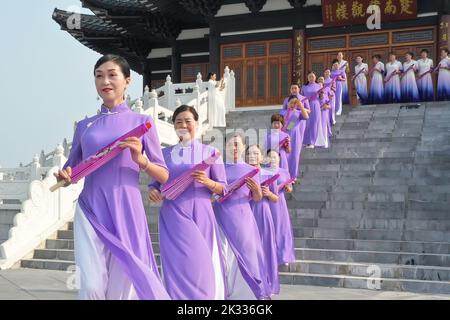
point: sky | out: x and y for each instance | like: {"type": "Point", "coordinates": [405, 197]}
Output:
{"type": "Point", "coordinates": [46, 80]}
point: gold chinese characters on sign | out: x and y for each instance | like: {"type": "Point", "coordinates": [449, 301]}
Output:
{"type": "Point", "coordinates": [348, 12]}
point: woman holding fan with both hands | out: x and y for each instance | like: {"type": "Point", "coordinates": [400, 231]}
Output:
{"type": "Point", "coordinates": [113, 250]}
{"type": "Point", "coordinates": [189, 238]}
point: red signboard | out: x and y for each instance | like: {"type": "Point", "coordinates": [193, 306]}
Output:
{"type": "Point", "coordinates": [349, 12]}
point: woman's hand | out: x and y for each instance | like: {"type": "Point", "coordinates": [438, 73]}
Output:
{"type": "Point", "coordinates": [287, 145]}
{"type": "Point", "coordinates": [201, 177]}
{"type": "Point", "coordinates": [288, 188]}
{"type": "Point", "coordinates": [265, 191]}
{"type": "Point", "coordinates": [154, 195]}
{"type": "Point", "coordinates": [64, 175]}
{"type": "Point", "coordinates": [135, 146]}
{"type": "Point", "coordinates": [255, 188]}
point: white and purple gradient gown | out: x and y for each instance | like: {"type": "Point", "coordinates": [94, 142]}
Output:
{"type": "Point", "coordinates": [295, 127]}
{"type": "Point", "coordinates": [392, 90]}
{"type": "Point", "coordinates": [300, 98]}
{"type": "Point", "coordinates": [344, 66]}
{"type": "Point", "coordinates": [410, 92]}
{"type": "Point", "coordinates": [313, 133]}
{"type": "Point", "coordinates": [192, 264]}
{"type": "Point", "coordinates": [376, 94]}
{"type": "Point", "coordinates": [325, 125]}
{"type": "Point", "coordinates": [282, 223]}
{"type": "Point", "coordinates": [113, 250]}
{"type": "Point", "coordinates": [263, 217]}
{"type": "Point", "coordinates": [272, 142]}
{"type": "Point", "coordinates": [339, 93]}
{"type": "Point", "coordinates": [443, 87]}
{"type": "Point", "coordinates": [361, 71]}
{"type": "Point", "coordinates": [241, 241]}
{"type": "Point", "coordinates": [328, 85]}
{"type": "Point", "coordinates": [425, 83]}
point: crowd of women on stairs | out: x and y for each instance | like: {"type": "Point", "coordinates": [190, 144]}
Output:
{"type": "Point", "coordinates": [224, 223]}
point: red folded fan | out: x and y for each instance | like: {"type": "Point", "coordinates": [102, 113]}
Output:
{"type": "Point", "coordinates": [267, 183]}
{"type": "Point", "coordinates": [284, 184]}
{"type": "Point", "coordinates": [235, 186]}
{"type": "Point", "coordinates": [103, 156]}
{"type": "Point", "coordinates": [177, 186]}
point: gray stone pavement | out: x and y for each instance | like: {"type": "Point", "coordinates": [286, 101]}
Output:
{"type": "Point", "coordinates": [31, 284]}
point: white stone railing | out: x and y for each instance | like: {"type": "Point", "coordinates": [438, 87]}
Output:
{"type": "Point", "coordinates": [42, 213]}
{"type": "Point", "coordinates": [170, 93]}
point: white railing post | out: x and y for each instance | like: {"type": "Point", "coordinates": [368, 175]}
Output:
{"type": "Point", "coordinates": [168, 92]}
{"type": "Point", "coordinates": [232, 89]}
{"type": "Point", "coordinates": [146, 97]}
{"type": "Point", "coordinates": [34, 168]}
{"type": "Point", "coordinates": [199, 81]}
{"type": "Point", "coordinates": [138, 106]}
{"type": "Point", "coordinates": [153, 103]}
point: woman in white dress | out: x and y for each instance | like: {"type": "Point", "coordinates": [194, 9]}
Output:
{"type": "Point", "coordinates": [424, 80]}
{"type": "Point", "coordinates": [344, 66]}
{"type": "Point", "coordinates": [392, 92]}
{"type": "Point", "coordinates": [410, 93]}
{"type": "Point", "coordinates": [216, 111]}
{"type": "Point", "coordinates": [377, 84]}
{"type": "Point", "coordinates": [360, 80]}
{"type": "Point", "coordinates": [443, 89]}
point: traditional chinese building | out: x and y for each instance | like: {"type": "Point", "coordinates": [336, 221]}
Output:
{"type": "Point", "coordinates": [268, 43]}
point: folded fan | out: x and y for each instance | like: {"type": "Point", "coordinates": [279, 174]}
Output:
{"type": "Point", "coordinates": [235, 186]}
{"type": "Point", "coordinates": [177, 186]}
{"type": "Point", "coordinates": [284, 184]}
{"type": "Point", "coordinates": [267, 183]}
{"type": "Point", "coordinates": [103, 156]}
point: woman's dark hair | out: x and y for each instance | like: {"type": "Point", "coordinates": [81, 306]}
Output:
{"type": "Point", "coordinates": [334, 61]}
{"type": "Point", "coordinates": [295, 84]}
{"type": "Point", "coordinates": [210, 75]}
{"type": "Point", "coordinates": [312, 72]}
{"type": "Point", "coordinates": [376, 56]}
{"type": "Point", "coordinates": [410, 53]}
{"type": "Point", "coordinates": [248, 149]}
{"type": "Point", "coordinates": [184, 108]}
{"type": "Point", "coordinates": [277, 117]}
{"type": "Point", "coordinates": [273, 150]}
{"type": "Point", "coordinates": [445, 50]}
{"type": "Point", "coordinates": [359, 56]}
{"type": "Point", "coordinates": [120, 61]}
{"type": "Point", "coordinates": [292, 97]}
{"type": "Point", "coordinates": [424, 50]}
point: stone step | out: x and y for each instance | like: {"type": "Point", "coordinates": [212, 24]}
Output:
{"type": "Point", "coordinates": [390, 271]}
{"type": "Point", "coordinates": [422, 286]}
{"type": "Point", "coordinates": [372, 234]}
{"type": "Point", "coordinates": [54, 254]}
{"type": "Point", "coordinates": [47, 264]}
{"type": "Point", "coordinates": [400, 258]}
{"type": "Point", "coordinates": [365, 223]}
{"type": "Point", "coordinates": [374, 245]}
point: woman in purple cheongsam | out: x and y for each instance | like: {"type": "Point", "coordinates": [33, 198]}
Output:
{"type": "Point", "coordinates": [295, 120]}
{"type": "Point", "coordinates": [263, 217]}
{"type": "Point", "coordinates": [189, 237]}
{"type": "Point", "coordinates": [241, 241]}
{"type": "Point", "coordinates": [280, 213]}
{"type": "Point", "coordinates": [313, 134]}
{"type": "Point", "coordinates": [113, 250]}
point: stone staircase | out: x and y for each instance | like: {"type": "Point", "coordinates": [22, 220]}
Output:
{"type": "Point", "coordinates": [371, 212]}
